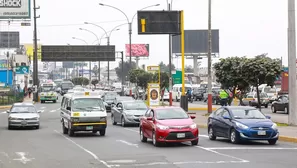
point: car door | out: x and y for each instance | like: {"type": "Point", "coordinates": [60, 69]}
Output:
{"type": "Point", "coordinates": [214, 120]}
{"type": "Point", "coordinates": [118, 113]}
{"type": "Point", "coordinates": [225, 123]}
{"type": "Point", "coordinates": [144, 123]}
{"type": "Point", "coordinates": [284, 103]}
{"type": "Point", "coordinates": [277, 103]}
{"type": "Point", "coordinates": [151, 124]}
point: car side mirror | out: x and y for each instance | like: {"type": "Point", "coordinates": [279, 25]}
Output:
{"type": "Point", "coordinates": [193, 117]}
{"type": "Point", "coordinates": [149, 118]}
{"type": "Point", "coordinates": [226, 117]}
{"type": "Point", "coordinates": [268, 117]}
{"type": "Point", "coordinates": [7, 111]}
{"type": "Point", "coordinates": [68, 108]}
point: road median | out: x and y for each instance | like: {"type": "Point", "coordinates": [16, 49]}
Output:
{"type": "Point", "coordinates": [5, 107]}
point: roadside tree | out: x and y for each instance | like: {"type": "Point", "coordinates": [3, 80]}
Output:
{"type": "Point", "coordinates": [95, 82]}
{"type": "Point", "coordinates": [80, 81]}
{"type": "Point", "coordinates": [125, 72]}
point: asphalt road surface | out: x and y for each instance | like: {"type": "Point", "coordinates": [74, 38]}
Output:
{"type": "Point", "coordinates": [121, 147]}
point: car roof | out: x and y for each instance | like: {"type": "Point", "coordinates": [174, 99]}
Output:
{"type": "Point", "coordinates": [132, 101]}
{"type": "Point", "coordinates": [23, 104]}
{"type": "Point", "coordinates": [240, 107]}
{"type": "Point", "coordinates": [165, 107]}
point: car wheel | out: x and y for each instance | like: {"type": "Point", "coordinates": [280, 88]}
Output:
{"type": "Point", "coordinates": [10, 127]}
{"type": "Point", "coordinates": [250, 103]}
{"type": "Point", "coordinates": [266, 105]}
{"type": "Point", "coordinates": [234, 137]}
{"type": "Point", "coordinates": [273, 109]}
{"type": "Point", "coordinates": [55, 101]}
{"type": "Point", "coordinates": [123, 122]}
{"type": "Point", "coordinates": [70, 131]}
{"type": "Point", "coordinates": [37, 127]}
{"type": "Point", "coordinates": [211, 134]}
{"type": "Point", "coordinates": [102, 132]}
{"type": "Point", "coordinates": [94, 132]}
{"type": "Point", "coordinates": [286, 110]}
{"type": "Point", "coordinates": [195, 142]}
{"type": "Point", "coordinates": [155, 141]}
{"type": "Point", "coordinates": [272, 141]}
{"type": "Point", "coordinates": [142, 137]}
{"type": "Point", "coordinates": [113, 120]}
{"type": "Point", "coordinates": [64, 129]}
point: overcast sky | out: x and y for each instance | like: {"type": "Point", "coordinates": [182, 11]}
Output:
{"type": "Point", "coordinates": [247, 27]}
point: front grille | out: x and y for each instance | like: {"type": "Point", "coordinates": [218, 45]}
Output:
{"type": "Point", "coordinates": [137, 120]}
{"type": "Point", "coordinates": [260, 128]}
{"type": "Point", "coordinates": [178, 127]}
{"type": "Point", "coordinates": [255, 135]}
{"type": "Point", "coordinates": [48, 97]}
{"type": "Point", "coordinates": [137, 115]}
{"type": "Point", "coordinates": [173, 136]}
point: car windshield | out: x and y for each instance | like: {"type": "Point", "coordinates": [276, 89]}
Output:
{"type": "Point", "coordinates": [135, 106]}
{"type": "Point", "coordinates": [47, 88]}
{"type": "Point", "coordinates": [247, 114]}
{"type": "Point", "coordinates": [23, 109]}
{"type": "Point", "coordinates": [172, 113]}
{"type": "Point", "coordinates": [186, 89]}
{"type": "Point", "coordinates": [89, 104]}
{"type": "Point", "coordinates": [67, 85]}
{"type": "Point", "coordinates": [109, 97]}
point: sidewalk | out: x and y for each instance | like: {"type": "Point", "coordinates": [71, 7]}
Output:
{"type": "Point", "coordinates": [287, 133]}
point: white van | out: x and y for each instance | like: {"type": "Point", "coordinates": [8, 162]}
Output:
{"type": "Point", "coordinates": [83, 111]}
{"type": "Point", "coordinates": [177, 89]}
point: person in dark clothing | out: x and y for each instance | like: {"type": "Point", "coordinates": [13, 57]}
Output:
{"type": "Point", "coordinates": [29, 91]}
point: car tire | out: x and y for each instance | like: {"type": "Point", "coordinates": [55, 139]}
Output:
{"type": "Point", "coordinates": [37, 127]}
{"type": "Point", "coordinates": [64, 129]}
{"type": "Point", "coordinates": [155, 142]}
{"type": "Point", "coordinates": [234, 137]}
{"type": "Point", "coordinates": [266, 105]}
{"type": "Point", "coordinates": [9, 127]}
{"type": "Point", "coordinates": [272, 141]}
{"type": "Point", "coordinates": [211, 134]}
{"type": "Point", "coordinates": [123, 124]}
{"type": "Point", "coordinates": [102, 132]}
{"type": "Point", "coordinates": [273, 109]}
{"type": "Point", "coordinates": [113, 120]}
{"type": "Point", "coordinates": [55, 101]}
{"type": "Point", "coordinates": [70, 131]}
{"type": "Point", "coordinates": [195, 142]}
{"type": "Point", "coordinates": [250, 104]}
{"type": "Point", "coordinates": [94, 132]}
{"type": "Point", "coordinates": [142, 137]}
{"type": "Point", "coordinates": [286, 110]}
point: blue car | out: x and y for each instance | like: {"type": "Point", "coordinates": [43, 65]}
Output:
{"type": "Point", "coordinates": [239, 123]}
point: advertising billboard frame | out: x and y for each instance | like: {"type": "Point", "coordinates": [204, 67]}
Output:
{"type": "Point", "coordinates": [127, 50]}
{"type": "Point", "coordinates": [9, 39]}
{"type": "Point", "coordinates": [28, 10]}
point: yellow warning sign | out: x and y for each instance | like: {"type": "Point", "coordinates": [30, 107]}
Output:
{"type": "Point", "coordinates": [29, 51]}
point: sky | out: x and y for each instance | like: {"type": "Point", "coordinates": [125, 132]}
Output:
{"type": "Point", "coordinates": [247, 27]}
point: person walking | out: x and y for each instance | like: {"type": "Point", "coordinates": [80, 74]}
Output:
{"type": "Point", "coordinates": [224, 97]}
{"type": "Point", "coordinates": [30, 92]}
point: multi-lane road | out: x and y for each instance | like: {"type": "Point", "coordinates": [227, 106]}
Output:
{"type": "Point", "coordinates": [121, 147]}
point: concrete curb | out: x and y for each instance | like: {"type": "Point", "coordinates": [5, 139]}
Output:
{"type": "Point", "coordinates": [280, 138]}
{"type": "Point", "coordinates": [5, 107]}
{"type": "Point", "coordinates": [200, 109]}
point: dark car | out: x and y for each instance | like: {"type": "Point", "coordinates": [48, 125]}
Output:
{"type": "Point", "coordinates": [239, 123]}
{"type": "Point", "coordinates": [281, 104]}
{"type": "Point", "coordinates": [128, 112]}
{"type": "Point", "coordinates": [65, 86]}
{"type": "Point", "coordinates": [198, 93]}
{"type": "Point", "coordinates": [109, 98]}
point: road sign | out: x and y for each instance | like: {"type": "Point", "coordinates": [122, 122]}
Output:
{"type": "Point", "coordinates": [177, 77]}
{"type": "Point", "coordinates": [25, 24]}
{"type": "Point", "coordinates": [59, 53]}
{"type": "Point", "coordinates": [158, 22]}
{"type": "Point", "coordinates": [22, 70]}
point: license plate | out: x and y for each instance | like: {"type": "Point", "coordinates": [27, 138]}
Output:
{"type": "Point", "coordinates": [181, 135]}
{"type": "Point", "coordinates": [24, 122]}
{"type": "Point", "coordinates": [89, 128]}
{"type": "Point", "coordinates": [261, 132]}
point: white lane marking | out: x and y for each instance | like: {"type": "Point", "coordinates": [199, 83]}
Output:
{"type": "Point", "coordinates": [58, 109]}
{"type": "Point", "coordinates": [52, 111]}
{"type": "Point", "coordinates": [221, 154]}
{"type": "Point", "coordinates": [128, 143]}
{"type": "Point", "coordinates": [132, 130]}
{"type": "Point", "coordinates": [121, 161]}
{"type": "Point", "coordinates": [251, 148]}
{"type": "Point", "coordinates": [4, 112]}
{"type": "Point", "coordinates": [42, 107]}
{"type": "Point", "coordinates": [23, 158]}
{"type": "Point", "coordinates": [84, 149]}
{"type": "Point", "coordinates": [183, 163]}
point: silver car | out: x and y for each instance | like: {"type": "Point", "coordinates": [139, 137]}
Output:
{"type": "Point", "coordinates": [23, 115]}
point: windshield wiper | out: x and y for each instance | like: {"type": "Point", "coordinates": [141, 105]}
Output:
{"type": "Point", "coordinates": [95, 108]}
{"type": "Point", "coordinates": [80, 108]}
{"type": "Point", "coordinates": [255, 118]}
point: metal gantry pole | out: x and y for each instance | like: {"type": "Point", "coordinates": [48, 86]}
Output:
{"type": "Point", "coordinates": [292, 62]}
{"type": "Point", "coordinates": [123, 78]}
{"type": "Point", "coordinates": [209, 75]}
{"type": "Point", "coordinates": [170, 56]}
{"type": "Point", "coordinates": [108, 43]}
{"type": "Point", "coordinates": [35, 58]}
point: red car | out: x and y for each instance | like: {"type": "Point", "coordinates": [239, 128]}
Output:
{"type": "Point", "coordinates": [168, 124]}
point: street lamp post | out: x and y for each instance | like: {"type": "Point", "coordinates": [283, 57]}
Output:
{"type": "Point", "coordinates": [86, 44]}
{"type": "Point", "coordinates": [129, 28]}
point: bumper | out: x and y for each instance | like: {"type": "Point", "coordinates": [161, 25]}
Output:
{"type": "Point", "coordinates": [254, 135]}
{"type": "Point", "coordinates": [48, 98]}
{"type": "Point", "coordinates": [29, 123]}
{"type": "Point", "coordinates": [132, 120]}
{"type": "Point", "coordinates": [171, 135]}
{"type": "Point", "coordinates": [88, 127]}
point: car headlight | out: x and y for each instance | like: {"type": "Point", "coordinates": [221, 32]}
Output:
{"type": "Point", "coordinates": [103, 119]}
{"type": "Point", "coordinates": [242, 126]}
{"type": "Point", "coordinates": [35, 118]}
{"type": "Point", "coordinates": [274, 126]}
{"type": "Point", "coordinates": [162, 127]}
{"type": "Point", "coordinates": [129, 116]}
{"type": "Point", "coordinates": [193, 126]}
{"type": "Point", "coordinates": [11, 118]}
{"type": "Point", "coordinates": [74, 119]}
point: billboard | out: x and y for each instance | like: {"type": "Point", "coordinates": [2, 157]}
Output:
{"type": "Point", "coordinates": [15, 9]}
{"type": "Point", "coordinates": [3, 64]}
{"type": "Point", "coordinates": [29, 48]}
{"type": "Point", "coordinates": [57, 53]}
{"type": "Point", "coordinates": [138, 50]}
{"type": "Point", "coordinates": [9, 39]}
{"type": "Point", "coordinates": [196, 41]}
{"type": "Point", "coordinates": [68, 64]}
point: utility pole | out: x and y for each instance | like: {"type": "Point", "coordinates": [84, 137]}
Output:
{"type": "Point", "coordinates": [123, 78]}
{"type": "Point", "coordinates": [209, 75]}
{"type": "Point", "coordinates": [292, 62]}
{"type": "Point", "coordinates": [170, 55]}
{"type": "Point", "coordinates": [108, 43]}
{"type": "Point", "coordinates": [35, 58]}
